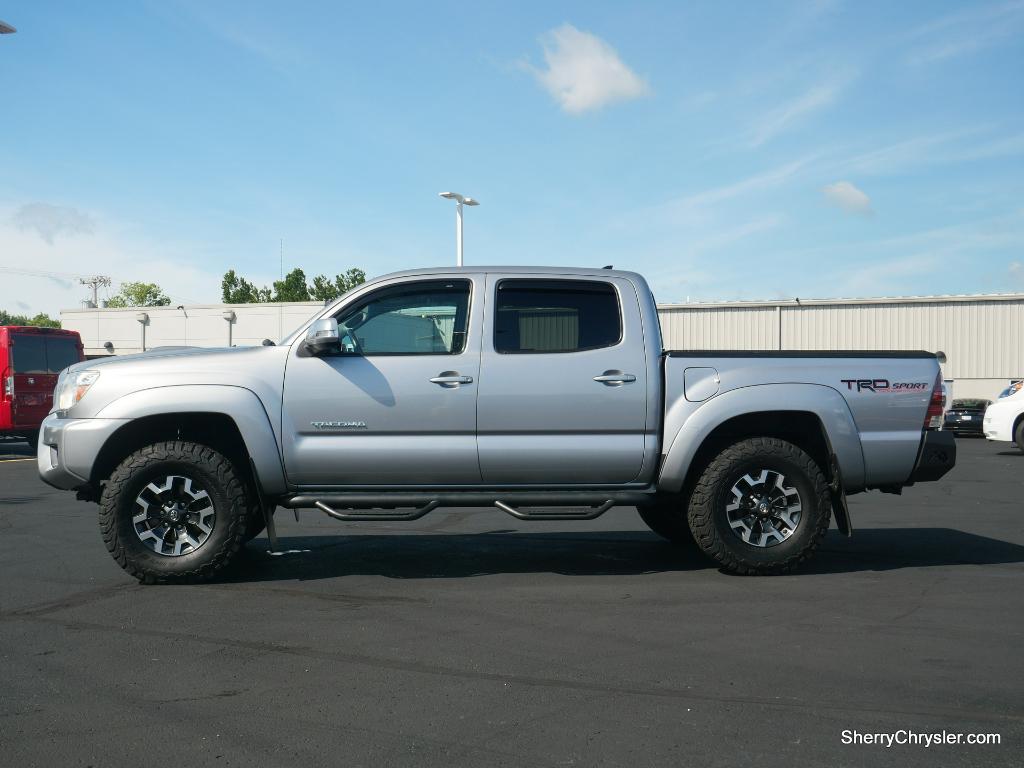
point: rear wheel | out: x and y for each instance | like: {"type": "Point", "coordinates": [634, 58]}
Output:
{"type": "Point", "coordinates": [174, 512]}
{"type": "Point", "coordinates": [760, 507]}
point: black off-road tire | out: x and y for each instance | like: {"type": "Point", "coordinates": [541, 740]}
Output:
{"type": "Point", "coordinates": [226, 492]}
{"type": "Point", "coordinates": [709, 520]}
{"type": "Point", "coordinates": [667, 518]}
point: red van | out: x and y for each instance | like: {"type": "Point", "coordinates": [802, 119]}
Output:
{"type": "Point", "coordinates": [30, 360]}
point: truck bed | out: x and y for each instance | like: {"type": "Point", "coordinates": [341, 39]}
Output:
{"type": "Point", "coordinates": [875, 401]}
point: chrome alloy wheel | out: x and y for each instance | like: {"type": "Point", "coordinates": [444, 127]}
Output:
{"type": "Point", "coordinates": [764, 509]}
{"type": "Point", "coordinates": [173, 517]}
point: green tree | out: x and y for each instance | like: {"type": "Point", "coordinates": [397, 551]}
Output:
{"type": "Point", "coordinates": [42, 320]}
{"type": "Point", "coordinates": [324, 289]}
{"type": "Point", "coordinates": [292, 287]}
{"type": "Point", "coordinates": [139, 295]}
{"type": "Point", "coordinates": [238, 290]}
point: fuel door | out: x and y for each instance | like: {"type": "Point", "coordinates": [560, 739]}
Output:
{"type": "Point", "coordinates": [699, 384]}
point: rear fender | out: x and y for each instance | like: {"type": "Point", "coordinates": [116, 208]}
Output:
{"type": "Point", "coordinates": [824, 402]}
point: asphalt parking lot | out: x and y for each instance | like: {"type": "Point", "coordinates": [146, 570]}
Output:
{"type": "Point", "coordinates": [468, 638]}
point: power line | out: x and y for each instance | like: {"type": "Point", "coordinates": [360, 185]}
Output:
{"type": "Point", "coordinates": [84, 279]}
{"type": "Point", "coordinates": [41, 273]}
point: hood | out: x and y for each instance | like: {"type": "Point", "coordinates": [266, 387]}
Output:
{"type": "Point", "coordinates": [182, 358]}
{"type": "Point", "coordinates": [259, 369]}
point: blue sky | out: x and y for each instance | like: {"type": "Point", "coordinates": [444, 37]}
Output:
{"type": "Point", "coordinates": [726, 150]}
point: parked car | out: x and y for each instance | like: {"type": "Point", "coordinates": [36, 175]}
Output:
{"type": "Point", "coordinates": [1004, 419]}
{"type": "Point", "coordinates": [544, 392]}
{"type": "Point", "coordinates": [967, 417]}
{"type": "Point", "coordinates": [30, 360]}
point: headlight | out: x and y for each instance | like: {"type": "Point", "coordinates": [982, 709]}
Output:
{"type": "Point", "coordinates": [74, 388]}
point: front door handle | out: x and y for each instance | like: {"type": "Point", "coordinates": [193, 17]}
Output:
{"type": "Point", "coordinates": [615, 378]}
{"type": "Point", "coordinates": [451, 379]}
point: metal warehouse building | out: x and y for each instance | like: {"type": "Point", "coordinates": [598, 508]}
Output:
{"type": "Point", "coordinates": [982, 336]}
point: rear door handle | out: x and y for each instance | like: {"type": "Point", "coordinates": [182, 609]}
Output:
{"type": "Point", "coordinates": [451, 379]}
{"type": "Point", "coordinates": [615, 378]}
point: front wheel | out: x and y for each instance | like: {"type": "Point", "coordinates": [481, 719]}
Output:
{"type": "Point", "coordinates": [760, 507]}
{"type": "Point", "coordinates": [1019, 436]}
{"type": "Point", "coordinates": [174, 512]}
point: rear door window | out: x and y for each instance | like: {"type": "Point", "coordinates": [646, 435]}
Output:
{"type": "Point", "coordinates": [545, 316]}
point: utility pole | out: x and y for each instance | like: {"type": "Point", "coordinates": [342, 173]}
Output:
{"type": "Point", "coordinates": [281, 254]}
{"type": "Point", "coordinates": [94, 283]}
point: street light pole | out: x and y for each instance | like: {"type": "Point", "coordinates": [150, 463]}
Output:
{"type": "Point", "coordinates": [459, 202]}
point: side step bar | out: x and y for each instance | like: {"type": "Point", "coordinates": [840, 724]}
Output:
{"type": "Point", "coordinates": [412, 505]}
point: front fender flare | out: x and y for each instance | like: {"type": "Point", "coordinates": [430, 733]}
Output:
{"type": "Point", "coordinates": [240, 404]}
{"type": "Point", "coordinates": [824, 402]}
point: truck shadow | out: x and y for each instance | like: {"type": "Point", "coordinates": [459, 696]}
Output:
{"type": "Point", "coordinates": [426, 556]}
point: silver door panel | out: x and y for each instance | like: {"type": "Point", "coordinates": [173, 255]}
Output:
{"type": "Point", "coordinates": [542, 418]}
{"type": "Point", "coordinates": [380, 420]}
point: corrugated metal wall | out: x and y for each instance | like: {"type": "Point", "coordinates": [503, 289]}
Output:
{"type": "Point", "coordinates": [685, 327]}
{"type": "Point", "coordinates": [982, 338]}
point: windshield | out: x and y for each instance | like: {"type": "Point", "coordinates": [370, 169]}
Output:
{"type": "Point", "coordinates": [1012, 389]}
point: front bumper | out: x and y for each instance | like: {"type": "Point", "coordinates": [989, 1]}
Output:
{"type": "Point", "coordinates": [68, 448]}
{"type": "Point", "coordinates": [935, 458]}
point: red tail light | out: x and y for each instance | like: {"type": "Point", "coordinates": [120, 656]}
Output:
{"type": "Point", "coordinates": [936, 406]}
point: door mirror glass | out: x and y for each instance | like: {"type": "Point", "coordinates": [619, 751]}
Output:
{"type": "Point", "coordinates": [322, 336]}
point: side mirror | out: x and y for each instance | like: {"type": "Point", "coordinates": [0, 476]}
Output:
{"type": "Point", "coordinates": [322, 336]}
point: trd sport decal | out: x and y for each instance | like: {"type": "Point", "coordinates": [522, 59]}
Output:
{"type": "Point", "coordinates": [884, 385]}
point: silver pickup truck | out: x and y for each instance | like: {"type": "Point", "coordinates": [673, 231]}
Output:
{"type": "Point", "coordinates": [544, 392]}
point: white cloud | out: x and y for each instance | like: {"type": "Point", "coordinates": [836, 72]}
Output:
{"type": "Point", "coordinates": [774, 122]}
{"type": "Point", "coordinates": [966, 31]}
{"type": "Point", "coordinates": [41, 275]}
{"type": "Point", "coordinates": [725, 236]}
{"type": "Point", "coordinates": [843, 194]}
{"type": "Point", "coordinates": [585, 73]}
{"type": "Point", "coordinates": [49, 221]}
{"type": "Point", "coordinates": [765, 180]}
{"type": "Point", "coordinates": [891, 277]}
{"type": "Point", "coordinates": [959, 146]}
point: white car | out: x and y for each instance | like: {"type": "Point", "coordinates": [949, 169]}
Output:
{"type": "Point", "coordinates": [1004, 419]}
